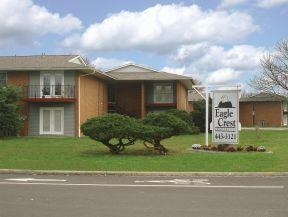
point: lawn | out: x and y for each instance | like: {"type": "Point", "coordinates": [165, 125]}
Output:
{"type": "Point", "coordinates": [42, 153]}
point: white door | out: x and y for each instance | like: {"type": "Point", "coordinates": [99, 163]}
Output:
{"type": "Point", "coordinates": [51, 84]}
{"type": "Point", "coordinates": [52, 120]}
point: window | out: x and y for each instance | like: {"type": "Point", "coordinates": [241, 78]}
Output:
{"type": "Point", "coordinates": [285, 106]}
{"type": "Point", "coordinates": [163, 93]}
{"type": "Point", "coordinates": [52, 84]}
{"type": "Point", "coordinates": [52, 120]}
{"type": "Point", "coordinates": [3, 79]}
{"type": "Point", "coordinates": [285, 119]}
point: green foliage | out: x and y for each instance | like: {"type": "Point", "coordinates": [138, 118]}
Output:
{"type": "Point", "coordinates": [174, 125]}
{"type": "Point", "coordinates": [113, 130]}
{"type": "Point", "coordinates": [186, 117]}
{"type": "Point", "coordinates": [10, 121]}
{"type": "Point", "coordinates": [199, 114]}
{"type": "Point", "coordinates": [116, 131]}
{"type": "Point", "coordinates": [163, 126]}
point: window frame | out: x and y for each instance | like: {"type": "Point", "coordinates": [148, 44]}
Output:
{"type": "Point", "coordinates": [5, 81]}
{"type": "Point", "coordinates": [162, 94]}
{"type": "Point", "coordinates": [52, 121]}
{"type": "Point", "coordinates": [52, 88]}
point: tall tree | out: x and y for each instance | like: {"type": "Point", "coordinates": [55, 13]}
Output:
{"type": "Point", "coordinates": [274, 74]}
{"type": "Point", "coordinates": [10, 120]}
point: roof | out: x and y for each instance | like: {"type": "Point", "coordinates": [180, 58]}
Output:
{"type": "Point", "coordinates": [134, 72]}
{"type": "Point", "coordinates": [42, 62]}
{"type": "Point", "coordinates": [264, 97]}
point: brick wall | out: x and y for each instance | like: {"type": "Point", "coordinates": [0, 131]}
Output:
{"type": "Point", "coordinates": [20, 79]}
{"type": "Point", "coordinates": [265, 114]}
{"type": "Point", "coordinates": [128, 98]}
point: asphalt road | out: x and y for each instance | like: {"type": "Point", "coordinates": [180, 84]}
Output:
{"type": "Point", "coordinates": [119, 196]}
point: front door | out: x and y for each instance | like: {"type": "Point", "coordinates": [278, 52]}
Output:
{"type": "Point", "coordinates": [52, 120]}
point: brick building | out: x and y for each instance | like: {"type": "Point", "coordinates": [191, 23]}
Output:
{"type": "Point", "coordinates": [62, 91]}
{"type": "Point", "coordinates": [264, 110]}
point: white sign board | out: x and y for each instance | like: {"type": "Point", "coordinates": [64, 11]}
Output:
{"type": "Point", "coordinates": [225, 116]}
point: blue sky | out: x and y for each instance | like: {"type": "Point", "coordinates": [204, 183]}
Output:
{"type": "Point", "coordinates": [215, 42]}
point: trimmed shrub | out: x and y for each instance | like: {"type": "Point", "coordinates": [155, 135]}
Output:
{"type": "Point", "coordinates": [186, 117]}
{"type": "Point", "coordinates": [162, 126]}
{"type": "Point", "coordinates": [113, 130]}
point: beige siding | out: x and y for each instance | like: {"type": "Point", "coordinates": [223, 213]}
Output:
{"type": "Point", "coordinates": [91, 98]}
{"type": "Point", "coordinates": [182, 98]}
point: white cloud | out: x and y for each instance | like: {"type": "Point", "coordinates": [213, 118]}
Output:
{"type": "Point", "coordinates": [204, 61]}
{"type": "Point", "coordinates": [224, 75]}
{"type": "Point", "coordinates": [162, 28]}
{"type": "Point", "coordinates": [231, 3]}
{"type": "Point", "coordinates": [178, 71]}
{"type": "Point", "coordinates": [22, 20]}
{"type": "Point", "coordinates": [105, 64]}
{"type": "Point", "coordinates": [271, 3]}
{"type": "Point", "coordinates": [205, 56]}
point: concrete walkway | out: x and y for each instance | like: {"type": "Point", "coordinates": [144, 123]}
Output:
{"type": "Point", "coordinates": [265, 128]}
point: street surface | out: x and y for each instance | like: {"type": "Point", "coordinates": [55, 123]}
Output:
{"type": "Point", "coordinates": [142, 196]}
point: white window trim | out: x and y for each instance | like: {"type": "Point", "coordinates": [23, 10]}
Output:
{"type": "Point", "coordinates": [6, 77]}
{"type": "Point", "coordinates": [52, 74]}
{"type": "Point", "coordinates": [285, 120]}
{"type": "Point", "coordinates": [51, 132]}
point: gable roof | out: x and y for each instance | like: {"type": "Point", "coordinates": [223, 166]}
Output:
{"type": "Point", "coordinates": [42, 62]}
{"type": "Point", "coordinates": [134, 72]}
{"type": "Point", "coordinates": [264, 97]}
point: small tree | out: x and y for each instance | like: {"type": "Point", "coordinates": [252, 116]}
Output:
{"type": "Point", "coordinates": [10, 121]}
{"type": "Point", "coordinates": [162, 126]}
{"type": "Point", "coordinates": [113, 130]}
{"type": "Point", "coordinates": [274, 74]}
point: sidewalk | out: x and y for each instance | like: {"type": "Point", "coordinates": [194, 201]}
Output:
{"type": "Point", "coordinates": [264, 128]}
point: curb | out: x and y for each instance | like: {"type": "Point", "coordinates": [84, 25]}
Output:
{"type": "Point", "coordinates": [132, 173]}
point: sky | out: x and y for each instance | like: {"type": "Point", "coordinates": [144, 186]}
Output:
{"type": "Point", "coordinates": [212, 41]}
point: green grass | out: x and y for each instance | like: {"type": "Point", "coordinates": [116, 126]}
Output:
{"type": "Point", "coordinates": [40, 153]}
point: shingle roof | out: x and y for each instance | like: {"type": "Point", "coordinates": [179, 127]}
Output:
{"type": "Point", "coordinates": [133, 72]}
{"type": "Point", "coordinates": [264, 97]}
{"type": "Point", "coordinates": [41, 62]}
{"type": "Point", "coordinates": [131, 76]}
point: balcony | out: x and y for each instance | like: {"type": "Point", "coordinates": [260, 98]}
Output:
{"type": "Point", "coordinates": [49, 93]}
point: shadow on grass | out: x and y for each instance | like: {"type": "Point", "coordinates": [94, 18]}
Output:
{"type": "Point", "coordinates": [143, 152]}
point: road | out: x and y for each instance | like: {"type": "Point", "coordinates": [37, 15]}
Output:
{"type": "Point", "coordinates": [119, 196]}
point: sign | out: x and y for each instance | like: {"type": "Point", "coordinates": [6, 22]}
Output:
{"type": "Point", "coordinates": [225, 116]}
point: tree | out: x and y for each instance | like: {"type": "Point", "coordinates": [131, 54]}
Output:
{"type": "Point", "coordinates": [113, 130]}
{"type": "Point", "coordinates": [199, 114]}
{"type": "Point", "coordinates": [274, 74]}
{"type": "Point", "coordinates": [10, 120]}
{"type": "Point", "coordinates": [162, 126]}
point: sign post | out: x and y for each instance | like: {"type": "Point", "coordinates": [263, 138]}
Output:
{"type": "Point", "coordinates": [225, 116]}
